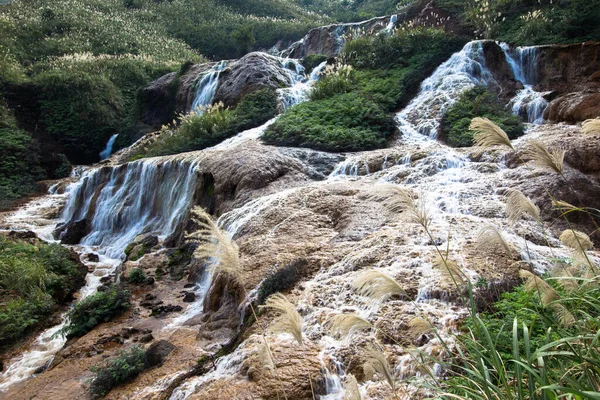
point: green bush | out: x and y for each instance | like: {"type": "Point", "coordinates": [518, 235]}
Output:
{"type": "Point", "coordinates": [311, 61]}
{"type": "Point", "coordinates": [137, 276]}
{"type": "Point", "coordinates": [118, 371]}
{"type": "Point", "coordinates": [196, 132]}
{"type": "Point", "coordinates": [281, 280]}
{"type": "Point", "coordinates": [477, 102]}
{"type": "Point", "coordinates": [345, 122]}
{"type": "Point", "coordinates": [95, 309]}
{"type": "Point", "coordinates": [333, 83]}
{"type": "Point", "coordinates": [34, 279]}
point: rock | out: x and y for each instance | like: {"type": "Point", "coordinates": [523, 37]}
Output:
{"type": "Point", "coordinates": [574, 107]}
{"type": "Point", "coordinates": [92, 257]}
{"type": "Point", "coordinates": [252, 72]}
{"type": "Point", "coordinates": [189, 297]}
{"type": "Point", "coordinates": [189, 285]}
{"type": "Point", "coordinates": [158, 352]}
{"type": "Point", "coordinates": [161, 310]}
{"type": "Point", "coordinates": [72, 232]}
{"type": "Point", "coordinates": [147, 338]}
{"type": "Point", "coordinates": [141, 245]}
{"type": "Point", "coordinates": [22, 235]}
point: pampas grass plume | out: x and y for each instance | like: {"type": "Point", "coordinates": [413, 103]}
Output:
{"type": "Point", "coordinates": [351, 389]}
{"type": "Point", "coordinates": [490, 239]}
{"type": "Point", "coordinates": [488, 134]}
{"type": "Point", "coordinates": [519, 206]}
{"type": "Point", "coordinates": [289, 320]}
{"type": "Point", "coordinates": [591, 126]}
{"type": "Point", "coordinates": [377, 285]}
{"type": "Point", "coordinates": [540, 155]}
{"type": "Point", "coordinates": [376, 362]}
{"type": "Point", "coordinates": [344, 324]}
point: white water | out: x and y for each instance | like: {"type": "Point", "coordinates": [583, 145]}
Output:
{"type": "Point", "coordinates": [207, 87]}
{"type": "Point", "coordinates": [389, 29]}
{"type": "Point", "coordinates": [528, 103]}
{"type": "Point", "coordinates": [301, 84]}
{"type": "Point", "coordinates": [104, 154]}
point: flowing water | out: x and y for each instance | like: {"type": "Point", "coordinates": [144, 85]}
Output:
{"type": "Point", "coordinates": [206, 88]}
{"type": "Point", "coordinates": [104, 154]}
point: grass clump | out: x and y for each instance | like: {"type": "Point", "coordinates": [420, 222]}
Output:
{"type": "Point", "coordinates": [137, 276]}
{"type": "Point", "coordinates": [118, 371]}
{"type": "Point", "coordinates": [477, 102]}
{"type": "Point", "coordinates": [95, 309]}
{"type": "Point", "coordinates": [281, 280]}
{"type": "Point", "coordinates": [345, 122]}
{"type": "Point", "coordinates": [34, 281]}
{"type": "Point", "coordinates": [216, 123]}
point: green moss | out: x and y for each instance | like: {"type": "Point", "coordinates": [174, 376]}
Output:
{"type": "Point", "coordinates": [477, 102]}
{"type": "Point", "coordinates": [345, 122]}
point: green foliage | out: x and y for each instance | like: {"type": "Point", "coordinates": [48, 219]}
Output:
{"type": "Point", "coordinates": [95, 309]}
{"type": "Point", "coordinates": [345, 122]}
{"type": "Point", "coordinates": [333, 83]}
{"type": "Point", "coordinates": [477, 102]}
{"type": "Point", "coordinates": [137, 276]}
{"type": "Point", "coordinates": [118, 371]}
{"type": "Point", "coordinates": [196, 132]}
{"type": "Point", "coordinates": [354, 10]}
{"type": "Point", "coordinates": [311, 61]}
{"type": "Point", "coordinates": [281, 280]}
{"type": "Point", "coordinates": [33, 280]}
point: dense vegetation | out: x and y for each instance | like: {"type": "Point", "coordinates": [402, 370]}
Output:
{"type": "Point", "coordinates": [350, 105]}
{"type": "Point", "coordinates": [196, 131]}
{"type": "Point", "coordinates": [118, 371]}
{"type": "Point", "coordinates": [95, 309]}
{"type": "Point", "coordinates": [34, 280]}
{"type": "Point", "coordinates": [477, 102]}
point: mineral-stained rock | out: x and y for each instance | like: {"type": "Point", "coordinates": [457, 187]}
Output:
{"type": "Point", "coordinates": [574, 107]}
{"type": "Point", "coordinates": [72, 232]}
{"type": "Point", "coordinates": [158, 352]}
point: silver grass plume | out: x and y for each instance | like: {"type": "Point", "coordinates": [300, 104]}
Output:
{"type": "Point", "coordinates": [351, 389]}
{"type": "Point", "coordinates": [449, 270]}
{"type": "Point", "coordinates": [490, 240]}
{"type": "Point", "coordinates": [399, 199]}
{"type": "Point", "coordinates": [540, 155]}
{"type": "Point", "coordinates": [264, 358]}
{"type": "Point", "coordinates": [377, 363]}
{"type": "Point", "coordinates": [591, 126]}
{"type": "Point", "coordinates": [488, 134]}
{"type": "Point", "coordinates": [215, 245]}
{"type": "Point", "coordinates": [548, 297]}
{"type": "Point", "coordinates": [519, 206]}
{"type": "Point", "coordinates": [417, 327]}
{"type": "Point", "coordinates": [576, 240]}
{"type": "Point", "coordinates": [345, 324]}
{"type": "Point", "coordinates": [289, 320]}
{"type": "Point", "coordinates": [377, 285]}
{"type": "Point", "coordinates": [564, 206]}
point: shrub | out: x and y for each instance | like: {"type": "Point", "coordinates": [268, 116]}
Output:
{"type": "Point", "coordinates": [345, 122]}
{"type": "Point", "coordinates": [337, 80]}
{"type": "Point", "coordinates": [137, 276]}
{"type": "Point", "coordinates": [478, 101]}
{"type": "Point", "coordinates": [95, 309]}
{"type": "Point", "coordinates": [311, 61]}
{"type": "Point", "coordinates": [118, 371]}
{"type": "Point", "coordinates": [281, 280]}
{"type": "Point", "coordinates": [33, 280]}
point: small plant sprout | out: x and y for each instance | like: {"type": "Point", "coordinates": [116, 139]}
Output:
{"type": "Point", "coordinates": [378, 285]}
{"type": "Point", "coordinates": [289, 320]}
{"type": "Point", "coordinates": [541, 156]}
{"type": "Point", "coordinates": [591, 126]}
{"type": "Point", "coordinates": [344, 324]}
{"type": "Point", "coordinates": [488, 134]}
{"type": "Point", "coordinates": [519, 206]}
{"type": "Point", "coordinates": [491, 240]}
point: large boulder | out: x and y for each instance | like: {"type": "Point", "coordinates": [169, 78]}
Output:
{"type": "Point", "coordinates": [72, 232]}
{"type": "Point", "coordinates": [574, 107]}
{"type": "Point", "coordinates": [252, 72]}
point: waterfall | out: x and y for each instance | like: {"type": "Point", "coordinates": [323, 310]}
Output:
{"type": "Point", "coordinates": [528, 103]}
{"type": "Point", "coordinates": [301, 84]}
{"type": "Point", "coordinates": [464, 70]}
{"type": "Point", "coordinates": [104, 154]}
{"type": "Point", "coordinates": [207, 87]}
{"type": "Point", "coordinates": [148, 196]}
{"type": "Point", "coordinates": [389, 29]}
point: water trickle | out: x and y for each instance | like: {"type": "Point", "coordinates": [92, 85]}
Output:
{"type": "Point", "coordinates": [104, 154]}
{"type": "Point", "coordinates": [207, 87]}
{"type": "Point", "coordinates": [389, 29]}
{"type": "Point", "coordinates": [301, 84]}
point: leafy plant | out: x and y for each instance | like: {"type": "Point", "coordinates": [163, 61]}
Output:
{"type": "Point", "coordinates": [137, 276]}
{"type": "Point", "coordinates": [118, 371]}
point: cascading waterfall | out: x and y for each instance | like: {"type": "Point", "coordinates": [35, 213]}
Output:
{"type": "Point", "coordinates": [462, 71]}
{"type": "Point", "coordinates": [528, 103]}
{"type": "Point", "coordinates": [104, 154]}
{"type": "Point", "coordinates": [207, 87]}
{"type": "Point", "coordinates": [389, 29]}
{"type": "Point", "coordinates": [301, 84]}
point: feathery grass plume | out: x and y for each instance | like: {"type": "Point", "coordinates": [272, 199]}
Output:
{"type": "Point", "coordinates": [564, 317]}
{"type": "Point", "coordinates": [449, 270]}
{"type": "Point", "coordinates": [591, 126]}
{"type": "Point", "coordinates": [418, 327]}
{"type": "Point", "coordinates": [489, 134]}
{"type": "Point", "coordinates": [264, 358]}
{"type": "Point", "coordinates": [289, 320]}
{"type": "Point", "coordinates": [518, 206]}
{"type": "Point", "coordinates": [344, 324]}
{"type": "Point", "coordinates": [576, 240]}
{"type": "Point", "coordinates": [398, 199]}
{"type": "Point", "coordinates": [490, 239]}
{"type": "Point", "coordinates": [564, 206]}
{"type": "Point", "coordinates": [215, 245]}
{"type": "Point", "coordinates": [377, 285]}
{"type": "Point", "coordinates": [534, 282]}
{"type": "Point", "coordinates": [539, 154]}
{"type": "Point", "coordinates": [377, 363]}
{"type": "Point", "coordinates": [351, 389]}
